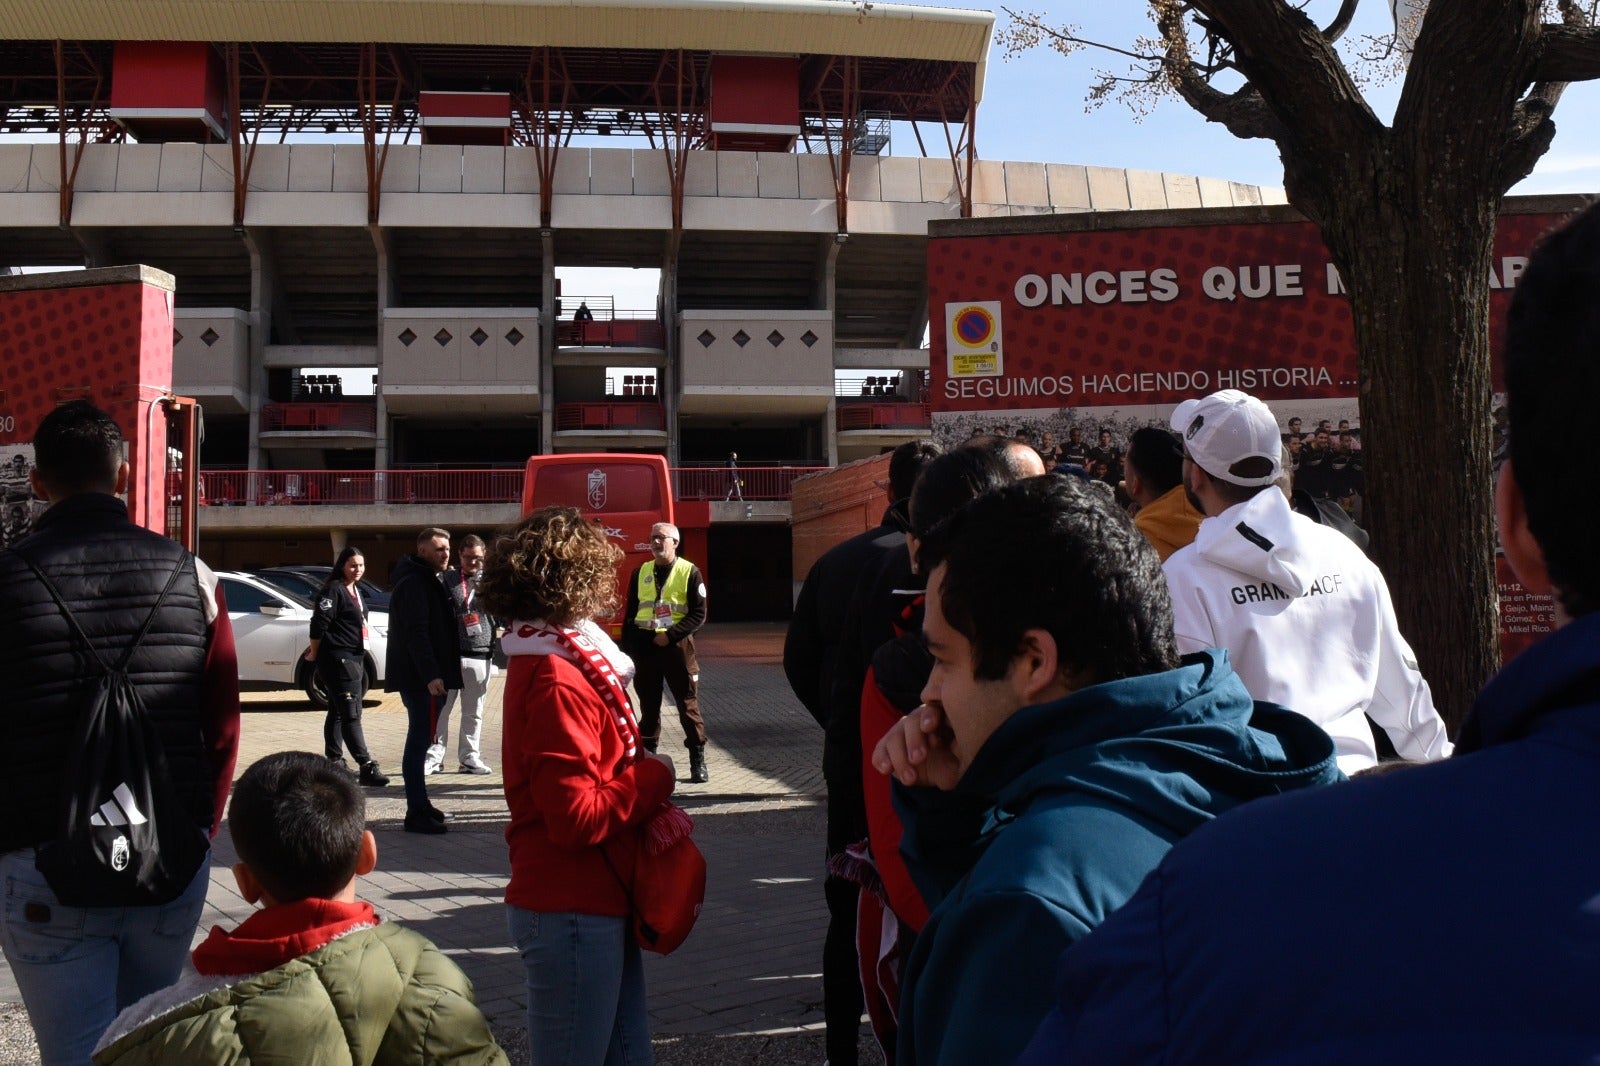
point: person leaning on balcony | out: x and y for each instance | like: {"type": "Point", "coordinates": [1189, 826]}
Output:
{"type": "Point", "coordinates": [666, 606]}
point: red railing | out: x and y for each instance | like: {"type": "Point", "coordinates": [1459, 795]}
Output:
{"type": "Point", "coordinates": [301, 487]}
{"type": "Point", "coordinates": [319, 417]}
{"type": "Point", "coordinates": [612, 333]}
{"type": "Point", "coordinates": [266, 488]}
{"type": "Point", "coordinates": [610, 416]}
{"type": "Point", "coordinates": [755, 482]}
{"type": "Point", "coordinates": [878, 415]}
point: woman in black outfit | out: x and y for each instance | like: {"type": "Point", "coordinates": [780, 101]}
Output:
{"type": "Point", "coordinates": [338, 644]}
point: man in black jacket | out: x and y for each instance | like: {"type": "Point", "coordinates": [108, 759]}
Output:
{"type": "Point", "coordinates": [475, 634]}
{"type": "Point", "coordinates": [76, 967]}
{"type": "Point", "coordinates": [424, 663]}
{"type": "Point", "coordinates": [811, 662]}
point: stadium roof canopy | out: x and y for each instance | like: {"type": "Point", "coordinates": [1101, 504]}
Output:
{"type": "Point", "coordinates": [916, 63]}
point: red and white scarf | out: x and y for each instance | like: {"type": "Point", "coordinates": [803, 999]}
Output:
{"type": "Point", "coordinates": [607, 670]}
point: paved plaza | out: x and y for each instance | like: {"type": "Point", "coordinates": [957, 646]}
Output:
{"type": "Point", "coordinates": [745, 988]}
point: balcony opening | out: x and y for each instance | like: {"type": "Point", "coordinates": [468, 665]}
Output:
{"type": "Point", "coordinates": [608, 307]}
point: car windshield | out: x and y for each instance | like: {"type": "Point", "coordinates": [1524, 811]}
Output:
{"type": "Point", "coordinates": [292, 595]}
{"type": "Point", "coordinates": [308, 582]}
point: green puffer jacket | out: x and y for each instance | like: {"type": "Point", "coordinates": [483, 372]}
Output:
{"type": "Point", "coordinates": [380, 996]}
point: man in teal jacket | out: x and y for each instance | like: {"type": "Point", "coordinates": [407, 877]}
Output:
{"type": "Point", "coordinates": [1068, 749]}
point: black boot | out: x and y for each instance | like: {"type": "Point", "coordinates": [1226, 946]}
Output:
{"type": "Point", "coordinates": [697, 764]}
{"type": "Point", "coordinates": [371, 775]}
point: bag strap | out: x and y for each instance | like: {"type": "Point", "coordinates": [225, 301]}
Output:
{"type": "Point", "coordinates": [66, 612]}
{"type": "Point", "coordinates": [646, 930]}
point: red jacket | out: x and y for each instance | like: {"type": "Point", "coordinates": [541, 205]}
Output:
{"type": "Point", "coordinates": [569, 789]}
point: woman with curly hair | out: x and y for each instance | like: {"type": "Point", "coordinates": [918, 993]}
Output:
{"type": "Point", "coordinates": [579, 786]}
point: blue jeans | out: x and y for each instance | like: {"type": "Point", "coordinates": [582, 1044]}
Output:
{"type": "Point", "coordinates": [585, 989]}
{"type": "Point", "coordinates": [422, 713]}
{"type": "Point", "coordinates": [78, 967]}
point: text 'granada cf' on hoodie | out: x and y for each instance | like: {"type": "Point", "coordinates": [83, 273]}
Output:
{"type": "Point", "coordinates": [1307, 622]}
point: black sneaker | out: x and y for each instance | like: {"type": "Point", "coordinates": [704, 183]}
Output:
{"type": "Point", "coordinates": [424, 823]}
{"type": "Point", "coordinates": [372, 776]}
{"type": "Point", "coordinates": [437, 815]}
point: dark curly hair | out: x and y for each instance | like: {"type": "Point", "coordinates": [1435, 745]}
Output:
{"type": "Point", "coordinates": [556, 565]}
{"type": "Point", "coordinates": [1055, 554]}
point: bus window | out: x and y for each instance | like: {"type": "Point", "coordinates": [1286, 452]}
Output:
{"type": "Point", "coordinates": [625, 493]}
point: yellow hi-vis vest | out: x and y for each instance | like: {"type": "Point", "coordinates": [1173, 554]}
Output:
{"type": "Point", "coordinates": [674, 595]}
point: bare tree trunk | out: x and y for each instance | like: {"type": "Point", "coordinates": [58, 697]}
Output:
{"type": "Point", "coordinates": [1408, 213]}
{"type": "Point", "coordinates": [1416, 260]}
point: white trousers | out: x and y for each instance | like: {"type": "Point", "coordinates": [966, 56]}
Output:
{"type": "Point", "coordinates": [475, 674]}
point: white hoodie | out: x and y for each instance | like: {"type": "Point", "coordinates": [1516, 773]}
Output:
{"type": "Point", "coordinates": [1307, 622]}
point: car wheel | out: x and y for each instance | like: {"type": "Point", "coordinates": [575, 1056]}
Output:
{"type": "Point", "coordinates": [317, 692]}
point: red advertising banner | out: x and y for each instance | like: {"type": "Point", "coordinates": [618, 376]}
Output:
{"type": "Point", "coordinates": [1071, 331]}
{"type": "Point", "coordinates": [1028, 316]}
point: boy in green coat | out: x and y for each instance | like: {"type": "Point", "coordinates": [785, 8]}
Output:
{"type": "Point", "coordinates": [313, 976]}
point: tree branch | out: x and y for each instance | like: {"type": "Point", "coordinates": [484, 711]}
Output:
{"type": "Point", "coordinates": [1568, 53]}
{"type": "Point", "coordinates": [1341, 21]}
{"type": "Point", "coordinates": [1297, 73]}
{"type": "Point", "coordinates": [1531, 132]}
{"type": "Point", "coordinates": [1242, 113]}
{"type": "Point", "coordinates": [1470, 67]}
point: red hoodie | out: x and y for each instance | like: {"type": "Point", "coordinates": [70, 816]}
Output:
{"type": "Point", "coordinates": [568, 790]}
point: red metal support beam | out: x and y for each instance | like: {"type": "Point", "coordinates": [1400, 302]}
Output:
{"type": "Point", "coordinates": [848, 70]}
{"type": "Point", "coordinates": [68, 176]}
{"type": "Point", "coordinates": [244, 156]}
{"type": "Point", "coordinates": [547, 123]}
{"type": "Point", "coordinates": [376, 157]}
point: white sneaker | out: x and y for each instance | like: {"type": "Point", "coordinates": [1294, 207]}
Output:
{"type": "Point", "coordinates": [429, 768]}
{"type": "Point", "coordinates": [475, 768]}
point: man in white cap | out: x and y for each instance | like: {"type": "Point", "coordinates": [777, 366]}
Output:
{"type": "Point", "coordinates": [1304, 615]}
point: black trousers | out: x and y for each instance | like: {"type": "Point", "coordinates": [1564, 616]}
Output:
{"type": "Point", "coordinates": [677, 668]}
{"type": "Point", "coordinates": [344, 679]}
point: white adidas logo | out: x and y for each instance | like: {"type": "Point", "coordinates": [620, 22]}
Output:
{"type": "Point", "coordinates": [119, 810]}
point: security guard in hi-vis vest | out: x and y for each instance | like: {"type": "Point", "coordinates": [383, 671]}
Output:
{"type": "Point", "coordinates": [666, 606]}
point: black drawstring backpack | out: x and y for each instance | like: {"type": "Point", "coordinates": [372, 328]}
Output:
{"type": "Point", "coordinates": [126, 837]}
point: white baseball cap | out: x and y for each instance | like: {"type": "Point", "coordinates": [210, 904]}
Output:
{"type": "Point", "coordinates": [1221, 430]}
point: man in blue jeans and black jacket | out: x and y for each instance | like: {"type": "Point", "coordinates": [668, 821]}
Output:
{"type": "Point", "coordinates": [424, 663]}
{"type": "Point", "coordinates": [77, 967]}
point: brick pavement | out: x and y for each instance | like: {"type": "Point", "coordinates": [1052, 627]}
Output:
{"type": "Point", "coordinates": [752, 965]}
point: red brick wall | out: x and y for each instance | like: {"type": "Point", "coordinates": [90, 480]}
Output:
{"type": "Point", "coordinates": [834, 506]}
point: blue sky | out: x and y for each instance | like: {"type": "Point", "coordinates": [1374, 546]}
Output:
{"type": "Point", "coordinates": [1034, 109]}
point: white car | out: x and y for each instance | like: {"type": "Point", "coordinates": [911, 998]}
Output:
{"type": "Point", "coordinates": [272, 630]}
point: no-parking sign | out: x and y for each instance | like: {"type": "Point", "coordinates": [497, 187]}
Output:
{"type": "Point", "coordinates": [972, 339]}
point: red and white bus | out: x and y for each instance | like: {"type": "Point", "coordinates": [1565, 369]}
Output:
{"type": "Point", "coordinates": [627, 494]}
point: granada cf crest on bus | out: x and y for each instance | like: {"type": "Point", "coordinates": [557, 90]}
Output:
{"type": "Point", "coordinates": [597, 489]}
